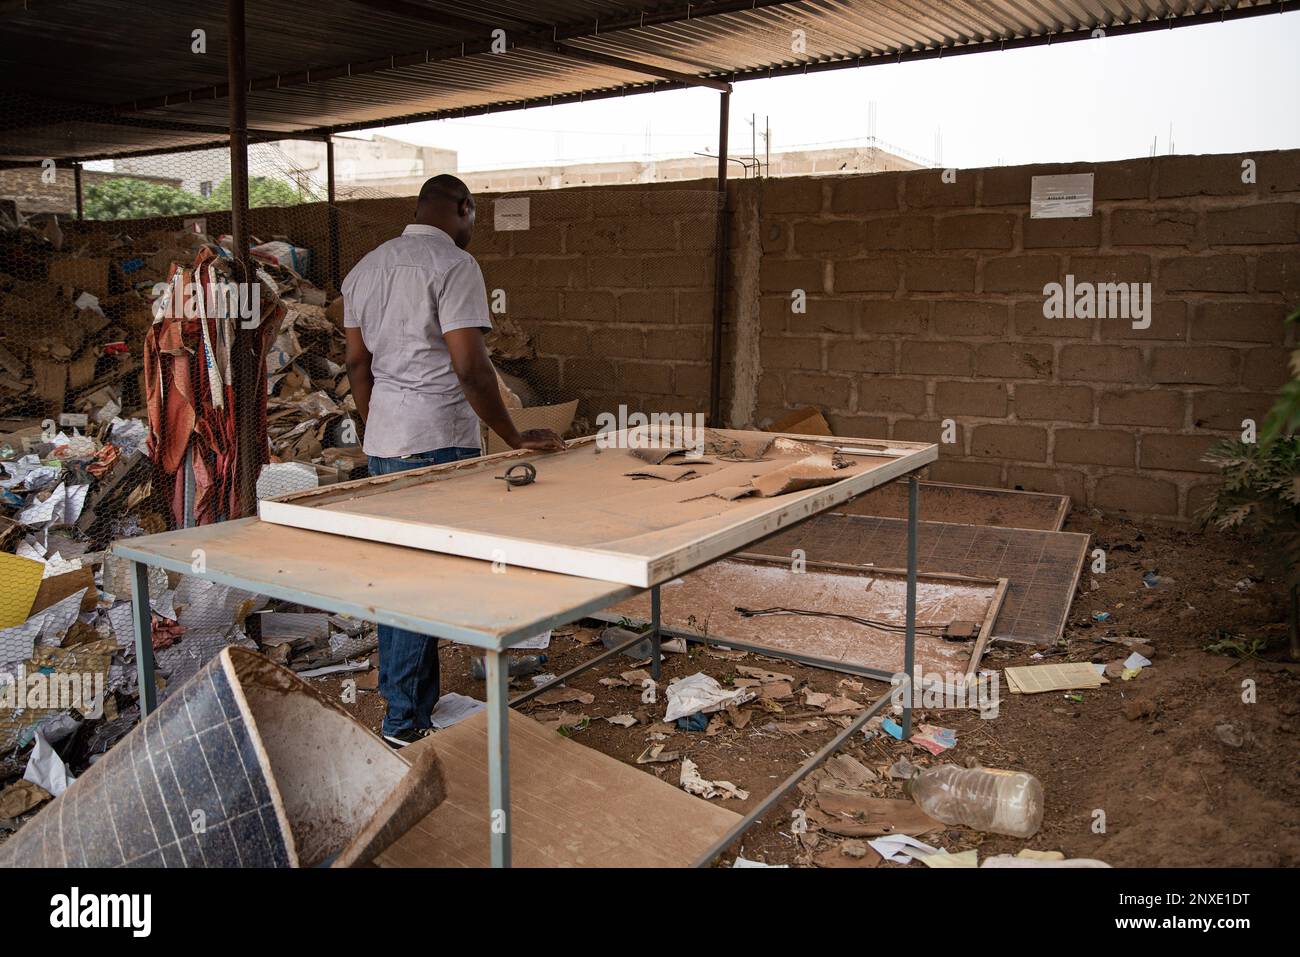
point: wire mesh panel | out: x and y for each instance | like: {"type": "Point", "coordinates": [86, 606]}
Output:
{"type": "Point", "coordinates": [148, 383]}
{"type": "Point", "coordinates": [601, 298]}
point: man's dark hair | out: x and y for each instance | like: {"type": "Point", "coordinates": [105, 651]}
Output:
{"type": "Point", "coordinates": [444, 187]}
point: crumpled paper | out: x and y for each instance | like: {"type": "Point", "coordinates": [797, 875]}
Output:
{"type": "Point", "coordinates": [28, 473]}
{"type": "Point", "coordinates": [62, 507]}
{"type": "Point", "coordinates": [129, 435]}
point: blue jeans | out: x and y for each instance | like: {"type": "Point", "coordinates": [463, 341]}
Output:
{"type": "Point", "coordinates": [408, 661]}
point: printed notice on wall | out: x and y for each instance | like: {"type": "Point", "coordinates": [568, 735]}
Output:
{"type": "Point", "coordinates": [1060, 197]}
{"type": "Point", "coordinates": [510, 213]}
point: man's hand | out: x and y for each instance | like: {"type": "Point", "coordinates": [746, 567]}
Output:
{"type": "Point", "coordinates": [541, 440]}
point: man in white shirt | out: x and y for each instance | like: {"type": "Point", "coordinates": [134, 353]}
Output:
{"type": "Point", "coordinates": [415, 310]}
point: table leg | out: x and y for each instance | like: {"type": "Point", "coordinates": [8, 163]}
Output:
{"type": "Point", "coordinates": [142, 617]}
{"type": "Point", "coordinates": [656, 639]}
{"type": "Point", "coordinates": [909, 645]}
{"type": "Point", "coordinates": [498, 709]}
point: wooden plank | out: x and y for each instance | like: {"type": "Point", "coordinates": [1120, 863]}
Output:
{"type": "Point", "coordinates": [570, 806]}
{"type": "Point", "coordinates": [705, 602]}
{"type": "Point", "coordinates": [451, 597]}
{"type": "Point", "coordinates": [585, 515]}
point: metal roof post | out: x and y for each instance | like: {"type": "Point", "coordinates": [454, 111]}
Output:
{"type": "Point", "coordinates": [720, 265]}
{"type": "Point", "coordinates": [333, 214]}
{"type": "Point", "coordinates": [247, 375]}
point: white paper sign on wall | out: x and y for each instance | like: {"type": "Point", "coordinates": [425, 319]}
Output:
{"type": "Point", "coordinates": [510, 214]}
{"type": "Point", "coordinates": [1061, 197]}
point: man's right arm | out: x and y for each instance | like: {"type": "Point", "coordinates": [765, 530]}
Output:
{"type": "Point", "coordinates": [478, 379]}
{"type": "Point", "coordinates": [360, 378]}
{"type": "Point", "coordinates": [462, 317]}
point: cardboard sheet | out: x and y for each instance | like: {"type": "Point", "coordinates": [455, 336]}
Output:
{"type": "Point", "coordinates": [570, 807]}
{"type": "Point", "coordinates": [557, 418]}
{"type": "Point", "coordinates": [1035, 679]}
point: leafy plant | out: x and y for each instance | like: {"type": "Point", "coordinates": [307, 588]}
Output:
{"type": "Point", "coordinates": [138, 199]}
{"type": "Point", "coordinates": [1234, 646]}
{"type": "Point", "coordinates": [127, 198]}
{"type": "Point", "coordinates": [262, 191]}
{"type": "Point", "coordinates": [1260, 493]}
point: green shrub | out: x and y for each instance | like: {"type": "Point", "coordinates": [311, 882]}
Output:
{"type": "Point", "coordinates": [1260, 493]}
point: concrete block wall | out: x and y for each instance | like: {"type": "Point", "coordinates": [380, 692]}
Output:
{"type": "Point", "coordinates": [924, 303]}
{"type": "Point", "coordinates": [615, 285]}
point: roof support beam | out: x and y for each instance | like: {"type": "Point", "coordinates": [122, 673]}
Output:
{"type": "Point", "coordinates": [825, 66]}
{"type": "Point", "coordinates": [618, 62]}
{"type": "Point", "coordinates": [546, 39]}
{"type": "Point", "coordinates": [533, 40]}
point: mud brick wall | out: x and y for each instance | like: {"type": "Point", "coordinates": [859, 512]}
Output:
{"type": "Point", "coordinates": [925, 303]}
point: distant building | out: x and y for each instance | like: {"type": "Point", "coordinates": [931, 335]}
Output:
{"type": "Point", "coordinates": [372, 167]}
{"type": "Point", "coordinates": [363, 167]}
{"type": "Point", "coordinates": [793, 163]}
{"type": "Point", "coordinates": [377, 167]}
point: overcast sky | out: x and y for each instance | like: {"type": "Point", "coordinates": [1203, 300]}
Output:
{"type": "Point", "coordinates": [1222, 87]}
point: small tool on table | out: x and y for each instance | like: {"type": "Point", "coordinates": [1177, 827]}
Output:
{"type": "Point", "coordinates": [514, 477]}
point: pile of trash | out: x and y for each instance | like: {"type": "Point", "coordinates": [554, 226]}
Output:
{"type": "Point", "coordinates": [78, 472]}
{"type": "Point", "coordinates": [92, 368]}
{"type": "Point", "coordinates": [68, 681]}
{"type": "Point", "coordinates": [311, 416]}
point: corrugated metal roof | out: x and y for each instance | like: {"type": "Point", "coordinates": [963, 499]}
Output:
{"type": "Point", "coordinates": [96, 77]}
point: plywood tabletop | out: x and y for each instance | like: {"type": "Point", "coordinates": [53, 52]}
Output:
{"type": "Point", "coordinates": [461, 599]}
{"type": "Point", "coordinates": [588, 513]}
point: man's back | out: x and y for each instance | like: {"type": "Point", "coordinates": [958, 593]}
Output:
{"type": "Point", "coordinates": [403, 297]}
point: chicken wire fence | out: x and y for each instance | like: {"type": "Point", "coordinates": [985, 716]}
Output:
{"type": "Point", "coordinates": [147, 384]}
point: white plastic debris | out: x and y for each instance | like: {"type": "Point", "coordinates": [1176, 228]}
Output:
{"type": "Point", "coordinates": [1136, 661]}
{"type": "Point", "coordinates": [46, 768]}
{"type": "Point", "coordinates": [901, 848]}
{"type": "Point", "coordinates": [129, 435]}
{"type": "Point", "coordinates": [693, 783]}
{"type": "Point", "coordinates": [700, 693]}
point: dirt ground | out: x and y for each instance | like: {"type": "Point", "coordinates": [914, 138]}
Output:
{"type": "Point", "coordinates": [1180, 766]}
{"type": "Point", "coordinates": [1160, 784]}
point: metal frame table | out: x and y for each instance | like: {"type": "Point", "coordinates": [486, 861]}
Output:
{"type": "Point", "coordinates": [446, 597]}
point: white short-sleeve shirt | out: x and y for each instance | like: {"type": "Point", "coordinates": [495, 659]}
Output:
{"type": "Point", "coordinates": [404, 296]}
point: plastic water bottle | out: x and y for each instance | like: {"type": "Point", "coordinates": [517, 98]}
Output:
{"type": "Point", "coordinates": [986, 799]}
{"type": "Point", "coordinates": [519, 667]}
